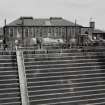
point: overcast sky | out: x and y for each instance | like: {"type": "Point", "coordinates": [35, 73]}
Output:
{"type": "Point", "coordinates": [81, 10]}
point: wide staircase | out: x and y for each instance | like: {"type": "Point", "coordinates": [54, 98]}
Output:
{"type": "Point", "coordinates": [53, 77]}
{"type": "Point", "coordinates": [65, 77]}
{"type": "Point", "coordinates": [9, 81]}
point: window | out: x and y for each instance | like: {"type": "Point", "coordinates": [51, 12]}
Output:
{"type": "Point", "coordinates": [31, 32]}
{"type": "Point", "coordinates": [86, 32]}
{"type": "Point", "coordinates": [59, 32]}
{"type": "Point", "coordinates": [40, 31]}
{"type": "Point", "coordinates": [11, 32]}
{"type": "Point", "coordinates": [45, 32]}
{"type": "Point", "coordinates": [63, 32]}
{"type": "Point", "coordinates": [26, 32]}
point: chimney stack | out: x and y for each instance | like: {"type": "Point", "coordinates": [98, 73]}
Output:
{"type": "Point", "coordinates": [92, 24]}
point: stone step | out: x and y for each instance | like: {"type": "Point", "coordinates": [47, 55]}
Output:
{"type": "Point", "coordinates": [48, 72]}
{"type": "Point", "coordinates": [59, 77]}
{"type": "Point", "coordinates": [62, 54]}
{"type": "Point", "coordinates": [34, 91]}
{"type": "Point", "coordinates": [9, 100]}
{"type": "Point", "coordinates": [7, 56]}
{"type": "Point", "coordinates": [61, 58]}
{"type": "Point", "coordinates": [68, 94]}
{"type": "Point", "coordinates": [76, 80]}
{"type": "Point", "coordinates": [55, 77]}
{"type": "Point", "coordinates": [8, 82]}
{"type": "Point", "coordinates": [63, 80]}
{"type": "Point", "coordinates": [80, 103]}
{"type": "Point", "coordinates": [54, 82]}
{"type": "Point", "coordinates": [74, 100]}
{"type": "Point", "coordinates": [9, 77]}
{"type": "Point", "coordinates": [69, 73]}
{"type": "Point", "coordinates": [9, 90]}
{"type": "Point", "coordinates": [64, 50]}
{"type": "Point", "coordinates": [8, 68]}
{"type": "Point", "coordinates": [44, 51]}
{"type": "Point", "coordinates": [60, 61]}
{"type": "Point", "coordinates": [12, 85]}
{"type": "Point", "coordinates": [8, 71]}
{"type": "Point", "coordinates": [61, 87]}
{"type": "Point", "coordinates": [29, 67]}
{"type": "Point", "coordinates": [70, 68]}
{"type": "Point", "coordinates": [12, 103]}
{"type": "Point", "coordinates": [7, 61]}
{"type": "Point", "coordinates": [64, 61]}
{"type": "Point", "coordinates": [11, 95]}
{"type": "Point", "coordinates": [3, 69]}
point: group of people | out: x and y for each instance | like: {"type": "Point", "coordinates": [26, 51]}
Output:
{"type": "Point", "coordinates": [40, 42]}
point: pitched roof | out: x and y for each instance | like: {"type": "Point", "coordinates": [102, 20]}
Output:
{"type": "Point", "coordinates": [98, 31]}
{"type": "Point", "coordinates": [53, 21]}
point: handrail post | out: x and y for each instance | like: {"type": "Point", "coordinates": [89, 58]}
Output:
{"type": "Point", "coordinates": [22, 77]}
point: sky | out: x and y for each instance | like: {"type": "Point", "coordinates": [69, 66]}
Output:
{"type": "Point", "coordinates": [81, 10]}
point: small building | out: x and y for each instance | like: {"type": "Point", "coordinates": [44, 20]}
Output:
{"type": "Point", "coordinates": [97, 33]}
{"type": "Point", "coordinates": [91, 34]}
{"type": "Point", "coordinates": [86, 32]}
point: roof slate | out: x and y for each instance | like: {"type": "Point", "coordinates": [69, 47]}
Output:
{"type": "Point", "coordinates": [42, 22]}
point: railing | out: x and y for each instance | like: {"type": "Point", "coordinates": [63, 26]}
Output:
{"type": "Point", "coordinates": [46, 48]}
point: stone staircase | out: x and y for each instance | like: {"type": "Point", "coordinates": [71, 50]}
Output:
{"type": "Point", "coordinates": [53, 77]}
{"type": "Point", "coordinates": [65, 77]}
{"type": "Point", "coordinates": [9, 81]}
